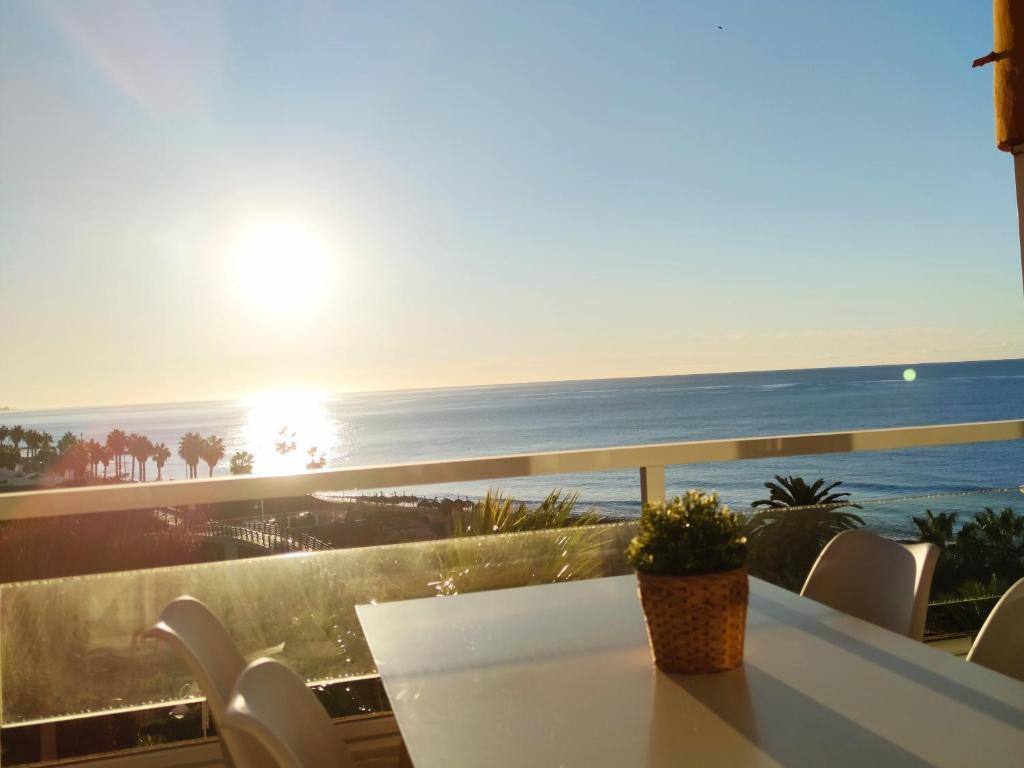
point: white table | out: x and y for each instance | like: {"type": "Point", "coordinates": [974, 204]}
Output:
{"type": "Point", "coordinates": [561, 675]}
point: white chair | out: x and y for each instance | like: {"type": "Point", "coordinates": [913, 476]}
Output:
{"type": "Point", "coordinates": [1000, 643]}
{"type": "Point", "coordinates": [200, 639]}
{"type": "Point", "coordinates": [272, 705]}
{"type": "Point", "coordinates": [875, 579]}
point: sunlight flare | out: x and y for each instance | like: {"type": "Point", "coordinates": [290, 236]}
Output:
{"type": "Point", "coordinates": [280, 266]}
{"type": "Point", "coordinates": [282, 428]}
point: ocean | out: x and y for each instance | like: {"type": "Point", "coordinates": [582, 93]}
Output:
{"type": "Point", "coordinates": [408, 426]}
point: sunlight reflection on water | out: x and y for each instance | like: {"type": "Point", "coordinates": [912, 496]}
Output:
{"type": "Point", "coordinates": [281, 428]}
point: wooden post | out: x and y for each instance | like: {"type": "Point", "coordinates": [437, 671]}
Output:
{"type": "Point", "coordinates": [1008, 86]}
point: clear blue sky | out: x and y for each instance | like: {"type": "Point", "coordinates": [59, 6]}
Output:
{"type": "Point", "coordinates": [496, 191]}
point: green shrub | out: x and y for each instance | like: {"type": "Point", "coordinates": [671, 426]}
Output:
{"type": "Point", "coordinates": [976, 564]}
{"type": "Point", "coordinates": [500, 514]}
{"type": "Point", "coordinates": [691, 535]}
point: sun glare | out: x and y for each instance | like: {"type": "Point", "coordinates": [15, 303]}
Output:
{"type": "Point", "coordinates": [288, 430]}
{"type": "Point", "coordinates": [280, 266]}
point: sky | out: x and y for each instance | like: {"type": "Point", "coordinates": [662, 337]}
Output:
{"type": "Point", "coordinates": [204, 199]}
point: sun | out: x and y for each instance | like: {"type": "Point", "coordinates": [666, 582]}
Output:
{"type": "Point", "coordinates": [279, 265]}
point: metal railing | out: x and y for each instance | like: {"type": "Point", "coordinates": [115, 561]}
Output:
{"type": "Point", "coordinates": [269, 537]}
{"type": "Point", "coordinates": [650, 460]}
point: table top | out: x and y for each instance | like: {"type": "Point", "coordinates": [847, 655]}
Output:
{"type": "Point", "coordinates": [561, 675]}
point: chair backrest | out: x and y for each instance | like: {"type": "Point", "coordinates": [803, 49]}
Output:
{"type": "Point", "coordinates": [272, 705]}
{"type": "Point", "coordinates": [200, 639]}
{"type": "Point", "coordinates": [1000, 643]}
{"type": "Point", "coordinates": [875, 579]}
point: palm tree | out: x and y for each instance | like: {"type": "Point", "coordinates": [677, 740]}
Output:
{"type": "Point", "coordinates": [936, 529]}
{"type": "Point", "coordinates": [76, 460]}
{"type": "Point", "coordinates": [44, 457]}
{"type": "Point", "coordinates": [17, 434]}
{"type": "Point", "coordinates": [143, 452]}
{"type": "Point", "coordinates": [498, 513]}
{"type": "Point", "coordinates": [801, 519]}
{"type": "Point", "coordinates": [8, 456]}
{"type": "Point", "coordinates": [212, 451]}
{"type": "Point", "coordinates": [133, 444]}
{"type": "Point", "coordinates": [5, 432]}
{"type": "Point", "coordinates": [66, 441]}
{"type": "Point", "coordinates": [33, 440]}
{"type": "Point", "coordinates": [117, 442]}
{"type": "Point", "coordinates": [140, 448]}
{"type": "Point", "coordinates": [242, 463]}
{"type": "Point", "coordinates": [103, 456]}
{"type": "Point", "coordinates": [314, 462]}
{"type": "Point", "coordinates": [95, 450]}
{"type": "Point", "coordinates": [794, 492]}
{"type": "Point", "coordinates": [190, 448]}
{"type": "Point", "coordinates": [161, 453]}
{"type": "Point", "coordinates": [145, 456]}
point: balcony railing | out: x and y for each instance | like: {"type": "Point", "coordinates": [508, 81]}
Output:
{"type": "Point", "coordinates": [650, 460]}
{"type": "Point", "coordinates": [71, 647]}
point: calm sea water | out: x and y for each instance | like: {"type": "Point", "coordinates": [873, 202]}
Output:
{"type": "Point", "coordinates": [358, 429]}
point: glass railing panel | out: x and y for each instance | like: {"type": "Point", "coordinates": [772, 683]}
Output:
{"type": "Point", "coordinates": [73, 647]}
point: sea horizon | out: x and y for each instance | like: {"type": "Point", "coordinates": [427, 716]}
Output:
{"type": "Point", "coordinates": [342, 392]}
{"type": "Point", "coordinates": [400, 426]}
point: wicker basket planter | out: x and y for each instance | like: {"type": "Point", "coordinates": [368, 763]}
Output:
{"type": "Point", "coordinates": [696, 623]}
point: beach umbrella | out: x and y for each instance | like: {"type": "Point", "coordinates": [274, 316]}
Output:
{"type": "Point", "coordinates": [1007, 58]}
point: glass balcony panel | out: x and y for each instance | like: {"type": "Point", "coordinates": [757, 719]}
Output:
{"type": "Point", "coordinates": [73, 647]}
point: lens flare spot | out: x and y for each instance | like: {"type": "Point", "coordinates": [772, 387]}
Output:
{"type": "Point", "coordinates": [909, 374]}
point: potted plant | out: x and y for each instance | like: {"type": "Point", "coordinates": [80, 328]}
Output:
{"type": "Point", "coordinates": [690, 558]}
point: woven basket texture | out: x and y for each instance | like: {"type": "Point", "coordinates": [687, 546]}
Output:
{"type": "Point", "coordinates": [696, 623]}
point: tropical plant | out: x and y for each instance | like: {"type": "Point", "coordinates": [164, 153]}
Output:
{"type": "Point", "coordinates": [161, 453]}
{"type": "Point", "coordinates": [212, 451]}
{"type": "Point", "coordinates": [5, 432]}
{"type": "Point", "coordinates": [45, 456]}
{"type": "Point", "coordinates": [314, 462]}
{"type": "Point", "coordinates": [801, 519]}
{"type": "Point", "coordinates": [936, 529]}
{"type": "Point", "coordinates": [190, 448]}
{"type": "Point", "coordinates": [33, 439]}
{"type": "Point", "coordinates": [17, 434]}
{"type": "Point", "coordinates": [976, 564]}
{"type": "Point", "coordinates": [784, 543]}
{"type": "Point", "coordinates": [992, 546]}
{"type": "Point", "coordinates": [9, 457]}
{"type": "Point", "coordinates": [242, 463]}
{"type": "Point", "coordinates": [500, 514]}
{"type": "Point", "coordinates": [95, 450]}
{"type": "Point", "coordinates": [690, 535]}
{"type": "Point", "coordinates": [549, 543]}
{"type": "Point", "coordinates": [103, 456]}
{"type": "Point", "coordinates": [117, 444]}
{"type": "Point", "coordinates": [75, 460]}
{"type": "Point", "coordinates": [795, 492]}
{"type": "Point", "coordinates": [66, 441]}
{"type": "Point", "coordinates": [140, 448]}
{"type": "Point", "coordinates": [145, 454]}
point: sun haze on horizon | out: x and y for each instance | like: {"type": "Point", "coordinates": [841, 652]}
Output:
{"type": "Point", "coordinates": [203, 200]}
